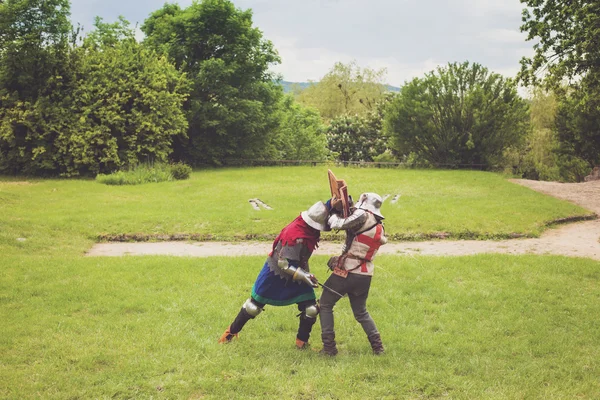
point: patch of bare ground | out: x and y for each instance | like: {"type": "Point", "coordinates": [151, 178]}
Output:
{"type": "Point", "coordinates": [581, 239]}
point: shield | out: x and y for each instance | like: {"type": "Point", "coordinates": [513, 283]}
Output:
{"type": "Point", "coordinates": [339, 190]}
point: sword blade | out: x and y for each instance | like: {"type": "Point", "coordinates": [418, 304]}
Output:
{"type": "Point", "coordinates": [330, 289]}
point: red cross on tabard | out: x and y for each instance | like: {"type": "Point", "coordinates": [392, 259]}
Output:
{"type": "Point", "coordinates": [373, 243]}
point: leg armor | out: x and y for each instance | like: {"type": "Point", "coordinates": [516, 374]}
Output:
{"type": "Point", "coordinates": [249, 310]}
{"type": "Point", "coordinates": [252, 308]}
{"type": "Point", "coordinates": [308, 317]}
{"type": "Point", "coordinates": [312, 311]}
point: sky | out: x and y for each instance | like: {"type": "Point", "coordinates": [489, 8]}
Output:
{"type": "Point", "coordinates": [406, 37]}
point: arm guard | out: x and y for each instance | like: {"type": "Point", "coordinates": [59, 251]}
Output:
{"type": "Point", "coordinates": [297, 273]}
{"type": "Point", "coordinates": [353, 222]}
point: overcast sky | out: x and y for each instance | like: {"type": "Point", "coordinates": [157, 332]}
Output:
{"type": "Point", "coordinates": [408, 37]}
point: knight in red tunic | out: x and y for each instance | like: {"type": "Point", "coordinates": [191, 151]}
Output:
{"type": "Point", "coordinates": [353, 269]}
{"type": "Point", "coordinates": [285, 278]}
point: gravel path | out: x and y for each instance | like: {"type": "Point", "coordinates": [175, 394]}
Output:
{"type": "Point", "coordinates": [580, 239]}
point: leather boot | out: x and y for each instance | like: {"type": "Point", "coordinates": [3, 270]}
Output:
{"type": "Point", "coordinates": [227, 336]}
{"type": "Point", "coordinates": [237, 325]}
{"type": "Point", "coordinates": [376, 344]}
{"type": "Point", "coordinates": [329, 346]}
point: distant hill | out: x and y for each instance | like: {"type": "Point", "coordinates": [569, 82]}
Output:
{"type": "Point", "coordinates": [287, 86]}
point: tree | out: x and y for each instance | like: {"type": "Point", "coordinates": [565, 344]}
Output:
{"type": "Point", "coordinates": [541, 156]}
{"type": "Point", "coordinates": [37, 71]}
{"type": "Point", "coordinates": [34, 45]}
{"type": "Point", "coordinates": [344, 138]}
{"type": "Point", "coordinates": [123, 105]}
{"type": "Point", "coordinates": [460, 114]}
{"type": "Point", "coordinates": [345, 89]}
{"type": "Point", "coordinates": [578, 119]}
{"type": "Point", "coordinates": [359, 138]}
{"type": "Point", "coordinates": [567, 33]}
{"type": "Point", "coordinates": [301, 134]}
{"type": "Point", "coordinates": [538, 158]}
{"type": "Point", "coordinates": [107, 35]}
{"type": "Point", "coordinates": [568, 49]}
{"type": "Point", "coordinates": [128, 103]}
{"type": "Point", "coordinates": [232, 106]}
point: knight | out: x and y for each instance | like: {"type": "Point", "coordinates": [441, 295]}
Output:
{"type": "Point", "coordinates": [353, 269]}
{"type": "Point", "coordinates": [285, 278]}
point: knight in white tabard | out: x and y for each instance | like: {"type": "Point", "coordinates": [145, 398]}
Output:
{"type": "Point", "coordinates": [353, 269]}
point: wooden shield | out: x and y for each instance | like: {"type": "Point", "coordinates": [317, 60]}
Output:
{"type": "Point", "coordinates": [339, 190]}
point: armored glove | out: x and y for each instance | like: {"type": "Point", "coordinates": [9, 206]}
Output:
{"type": "Point", "coordinates": [297, 273]}
{"type": "Point", "coordinates": [306, 277]}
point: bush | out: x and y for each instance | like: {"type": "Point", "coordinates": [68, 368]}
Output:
{"type": "Point", "coordinates": [545, 155]}
{"type": "Point", "coordinates": [386, 156]}
{"type": "Point", "coordinates": [360, 138]}
{"type": "Point", "coordinates": [578, 120]}
{"type": "Point", "coordinates": [142, 173]}
{"type": "Point", "coordinates": [180, 171]}
{"type": "Point", "coordinates": [460, 114]}
{"type": "Point", "coordinates": [301, 133]}
{"type": "Point", "coordinates": [108, 103]}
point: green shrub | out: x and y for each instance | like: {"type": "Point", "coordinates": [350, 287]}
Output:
{"type": "Point", "coordinates": [386, 156]}
{"type": "Point", "coordinates": [142, 173]}
{"type": "Point", "coordinates": [458, 114]}
{"type": "Point", "coordinates": [180, 171]}
{"type": "Point", "coordinates": [544, 155]}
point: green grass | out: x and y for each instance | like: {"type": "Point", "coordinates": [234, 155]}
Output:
{"type": "Point", "coordinates": [480, 327]}
{"type": "Point", "coordinates": [147, 173]}
{"type": "Point", "coordinates": [214, 203]}
{"type": "Point", "coordinates": [484, 327]}
{"type": "Point", "coordinates": [142, 173]}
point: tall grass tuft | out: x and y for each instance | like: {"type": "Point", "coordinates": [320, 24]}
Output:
{"type": "Point", "coordinates": [141, 173]}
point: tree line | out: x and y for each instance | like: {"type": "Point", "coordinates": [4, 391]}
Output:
{"type": "Point", "coordinates": [198, 89]}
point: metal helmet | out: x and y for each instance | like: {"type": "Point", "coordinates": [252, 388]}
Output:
{"type": "Point", "coordinates": [316, 216]}
{"type": "Point", "coordinates": [370, 202]}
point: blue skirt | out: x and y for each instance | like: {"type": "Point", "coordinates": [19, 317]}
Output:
{"type": "Point", "coordinates": [272, 289]}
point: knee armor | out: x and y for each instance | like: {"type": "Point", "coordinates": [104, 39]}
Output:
{"type": "Point", "coordinates": [312, 311]}
{"type": "Point", "coordinates": [252, 309]}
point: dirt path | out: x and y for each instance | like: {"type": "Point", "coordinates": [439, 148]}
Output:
{"type": "Point", "coordinates": [580, 239]}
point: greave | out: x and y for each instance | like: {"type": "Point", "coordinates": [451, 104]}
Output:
{"type": "Point", "coordinates": [239, 321]}
{"type": "Point", "coordinates": [305, 327]}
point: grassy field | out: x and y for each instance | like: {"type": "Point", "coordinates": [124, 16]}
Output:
{"type": "Point", "coordinates": [463, 204]}
{"type": "Point", "coordinates": [479, 327]}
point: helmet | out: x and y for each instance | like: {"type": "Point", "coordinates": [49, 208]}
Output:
{"type": "Point", "coordinates": [316, 216]}
{"type": "Point", "coordinates": [370, 202]}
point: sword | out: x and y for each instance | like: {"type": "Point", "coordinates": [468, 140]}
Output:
{"type": "Point", "coordinates": [330, 289]}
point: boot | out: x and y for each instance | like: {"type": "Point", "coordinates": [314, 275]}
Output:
{"type": "Point", "coordinates": [304, 329]}
{"type": "Point", "coordinates": [329, 346]}
{"type": "Point", "coordinates": [376, 344]}
{"type": "Point", "coordinates": [227, 336]}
